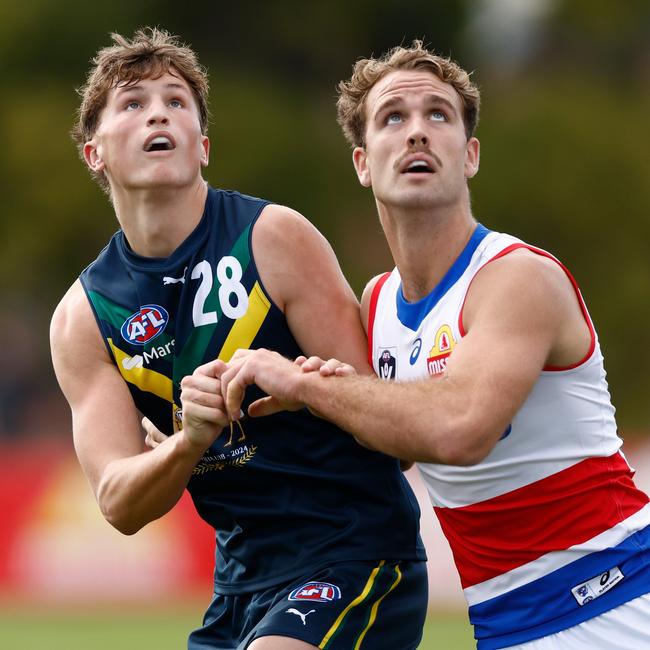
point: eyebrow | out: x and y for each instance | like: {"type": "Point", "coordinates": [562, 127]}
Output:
{"type": "Point", "coordinates": [433, 98]}
{"type": "Point", "coordinates": [137, 87]}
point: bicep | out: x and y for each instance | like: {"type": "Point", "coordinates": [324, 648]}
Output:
{"type": "Point", "coordinates": [303, 276]}
{"type": "Point", "coordinates": [105, 422]}
{"type": "Point", "coordinates": [512, 324]}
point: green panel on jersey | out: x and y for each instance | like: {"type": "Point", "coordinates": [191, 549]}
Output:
{"type": "Point", "coordinates": [193, 352]}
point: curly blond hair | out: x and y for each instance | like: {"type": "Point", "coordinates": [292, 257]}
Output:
{"type": "Point", "coordinates": [148, 55]}
{"type": "Point", "coordinates": [367, 72]}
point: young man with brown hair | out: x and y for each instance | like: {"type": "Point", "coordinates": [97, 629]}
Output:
{"type": "Point", "coordinates": [500, 391]}
{"type": "Point", "coordinates": [317, 537]}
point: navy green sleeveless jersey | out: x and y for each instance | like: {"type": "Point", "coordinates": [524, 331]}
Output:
{"type": "Point", "coordinates": [285, 493]}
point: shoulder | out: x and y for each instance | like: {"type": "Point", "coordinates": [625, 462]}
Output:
{"type": "Point", "coordinates": [73, 330]}
{"type": "Point", "coordinates": [73, 305]}
{"type": "Point", "coordinates": [524, 266]}
{"type": "Point", "coordinates": [523, 281]}
{"type": "Point", "coordinates": [285, 241]}
{"type": "Point", "coordinates": [279, 223]}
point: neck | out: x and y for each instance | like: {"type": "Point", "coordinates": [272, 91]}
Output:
{"type": "Point", "coordinates": [156, 221]}
{"type": "Point", "coordinates": [425, 242]}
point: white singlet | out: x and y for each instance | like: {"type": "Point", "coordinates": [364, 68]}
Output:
{"type": "Point", "coordinates": [549, 530]}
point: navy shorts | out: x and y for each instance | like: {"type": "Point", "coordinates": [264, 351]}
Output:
{"type": "Point", "coordinates": [349, 605]}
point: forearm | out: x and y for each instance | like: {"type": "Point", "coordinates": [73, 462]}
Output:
{"type": "Point", "coordinates": [136, 490]}
{"type": "Point", "coordinates": [399, 418]}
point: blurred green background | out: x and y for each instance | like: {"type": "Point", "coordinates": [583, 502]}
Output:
{"type": "Point", "coordinates": [564, 132]}
{"type": "Point", "coordinates": [565, 166]}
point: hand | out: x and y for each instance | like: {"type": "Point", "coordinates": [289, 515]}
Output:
{"type": "Point", "coordinates": [204, 413]}
{"type": "Point", "coordinates": [271, 372]}
{"type": "Point", "coordinates": [154, 436]}
{"type": "Point", "coordinates": [326, 368]}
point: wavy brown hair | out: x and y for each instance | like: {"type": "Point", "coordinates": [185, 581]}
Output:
{"type": "Point", "coordinates": [367, 72]}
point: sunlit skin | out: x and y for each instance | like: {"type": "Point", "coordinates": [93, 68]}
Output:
{"type": "Point", "coordinates": [413, 116]}
{"type": "Point", "coordinates": [145, 183]}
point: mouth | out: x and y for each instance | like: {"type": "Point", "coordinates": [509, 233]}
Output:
{"type": "Point", "coordinates": [417, 163]}
{"type": "Point", "coordinates": [159, 143]}
{"type": "Point", "coordinates": [418, 167]}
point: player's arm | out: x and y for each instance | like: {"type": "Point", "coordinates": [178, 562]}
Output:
{"type": "Point", "coordinates": [521, 313]}
{"type": "Point", "coordinates": [303, 277]}
{"type": "Point", "coordinates": [132, 487]}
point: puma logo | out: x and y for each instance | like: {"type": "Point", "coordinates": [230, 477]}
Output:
{"type": "Point", "coordinates": [291, 610]}
{"type": "Point", "coordinates": [168, 280]}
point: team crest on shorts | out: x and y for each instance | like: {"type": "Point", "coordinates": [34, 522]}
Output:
{"type": "Point", "coordinates": [443, 346]}
{"type": "Point", "coordinates": [145, 325]}
{"type": "Point", "coordinates": [387, 363]}
{"type": "Point", "coordinates": [316, 592]}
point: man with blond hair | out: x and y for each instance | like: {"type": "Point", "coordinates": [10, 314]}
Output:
{"type": "Point", "coordinates": [497, 385]}
{"type": "Point", "coordinates": [317, 541]}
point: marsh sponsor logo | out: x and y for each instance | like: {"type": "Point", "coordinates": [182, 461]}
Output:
{"type": "Point", "coordinates": [144, 359]}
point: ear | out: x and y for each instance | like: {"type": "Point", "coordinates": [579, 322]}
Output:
{"type": "Point", "coordinates": [93, 157]}
{"type": "Point", "coordinates": [205, 149]}
{"type": "Point", "coordinates": [360, 161]}
{"type": "Point", "coordinates": [472, 157]}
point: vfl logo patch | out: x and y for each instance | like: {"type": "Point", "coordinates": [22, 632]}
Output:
{"type": "Point", "coordinates": [387, 363]}
{"type": "Point", "coordinates": [443, 346]}
{"type": "Point", "coordinates": [318, 592]}
{"type": "Point", "coordinates": [587, 591]}
{"type": "Point", "coordinates": [145, 325]}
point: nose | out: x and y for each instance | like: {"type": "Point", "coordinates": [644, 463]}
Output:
{"type": "Point", "coordinates": [157, 114]}
{"type": "Point", "coordinates": [417, 136]}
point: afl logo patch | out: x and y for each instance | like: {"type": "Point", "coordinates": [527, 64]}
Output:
{"type": "Point", "coordinates": [145, 325]}
{"type": "Point", "coordinates": [319, 592]}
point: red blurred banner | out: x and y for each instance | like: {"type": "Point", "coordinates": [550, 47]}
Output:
{"type": "Point", "coordinates": [55, 545]}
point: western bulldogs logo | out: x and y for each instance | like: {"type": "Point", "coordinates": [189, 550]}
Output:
{"type": "Point", "coordinates": [319, 592]}
{"type": "Point", "coordinates": [443, 346]}
{"type": "Point", "coordinates": [387, 363]}
{"type": "Point", "coordinates": [145, 325]}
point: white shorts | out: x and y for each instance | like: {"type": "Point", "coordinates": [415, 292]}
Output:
{"type": "Point", "coordinates": [626, 627]}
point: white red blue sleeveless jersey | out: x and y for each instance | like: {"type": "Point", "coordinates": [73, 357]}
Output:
{"type": "Point", "coordinates": [549, 529]}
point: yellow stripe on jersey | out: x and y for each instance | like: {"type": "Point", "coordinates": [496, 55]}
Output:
{"type": "Point", "coordinates": [146, 380]}
{"type": "Point", "coordinates": [245, 329]}
{"type": "Point", "coordinates": [375, 607]}
{"type": "Point", "coordinates": [359, 599]}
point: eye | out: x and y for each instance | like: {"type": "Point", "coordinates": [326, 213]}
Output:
{"type": "Point", "coordinates": [176, 103]}
{"type": "Point", "coordinates": [438, 116]}
{"type": "Point", "coordinates": [394, 118]}
{"type": "Point", "coordinates": [132, 105]}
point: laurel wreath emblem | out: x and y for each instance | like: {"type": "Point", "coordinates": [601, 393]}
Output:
{"type": "Point", "coordinates": [237, 463]}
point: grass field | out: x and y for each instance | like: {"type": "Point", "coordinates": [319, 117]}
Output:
{"type": "Point", "coordinates": [160, 630]}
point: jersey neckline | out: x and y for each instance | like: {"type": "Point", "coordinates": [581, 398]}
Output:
{"type": "Point", "coordinates": [134, 260]}
{"type": "Point", "coordinates": [411, 314]}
